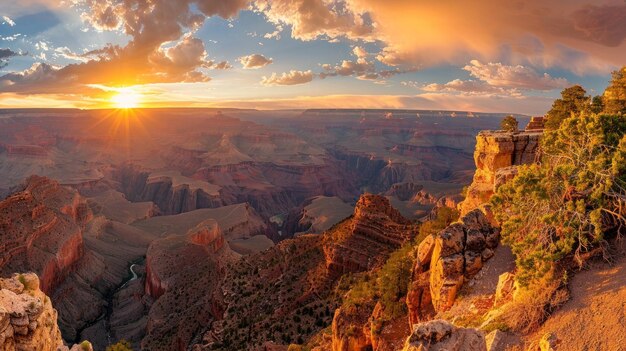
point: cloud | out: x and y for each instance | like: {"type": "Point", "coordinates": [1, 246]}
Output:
{"type": "Point", "coordinates": [6, 54]}
{"type": "Point", "coordinates": [500, 75]}
{"type": "Point", "coordinates": [497, 79]}
{"type": "Point", "coordinates": [292, 78]}
{"type": "Point", "coordinates": [601, 24]}
{"type": "Point", "coordinates": [421, 33]}
{"type": "Point", "coordinates": [222, 65]}
{"type": "Point", "coordinates": [254, 61]}
{"type": "Point", "coordinates": [362, 68]}
{"type": "Point", "coordinates": [470, 87]}
{"type": "Point", "coordinates": [8, 21]}
{"type": "Point", "coordinates": [161, 48]}
{"type": "Point", "coordinates": [311, 19]}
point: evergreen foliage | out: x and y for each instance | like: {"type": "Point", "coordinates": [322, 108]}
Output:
{"type": "Point", "coordinates": [574, 197]}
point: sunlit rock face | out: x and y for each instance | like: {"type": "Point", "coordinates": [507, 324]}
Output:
{"type": "Point", "coordinates": [495, 153]}
{"type": "Point", "coordinates": [27, 319]}
{"type": "Point", "coordinates": [366, 240]}
{"type": "Point", "coordinates": [447, 260]}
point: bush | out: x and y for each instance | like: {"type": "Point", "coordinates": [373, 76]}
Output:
{"type": "Point", "coordinates": [444, 217]}
{"type": "Point", "coordinates": [571, 200]}
{"type": "Point", "coordinates": [573, 101]}
{"type": "Point", "coordinates": [509, 124]}
{"type": "Point", "coordinates": [533, 306]}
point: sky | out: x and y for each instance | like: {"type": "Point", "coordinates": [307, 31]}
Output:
{"type": "Point", "coordinates": [482, 55]}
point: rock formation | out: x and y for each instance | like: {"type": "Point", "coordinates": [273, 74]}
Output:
{"type": "Point", "coordinates": [441, 335]}
{"type": "Point", "coordinates": [446, 260]}
{"type": "Point", "coordinates": [183, 273]}
{"type": "Point", "coordinates": [365, 241]}
{"type": "Point", "coordinates": [495, 152]}
{"type": "Point", "coordinates": [41, 229]}
{"type": "Point", "coordinates": [536, 123]}
{"type": "Point", "coordinates": [27, 319]}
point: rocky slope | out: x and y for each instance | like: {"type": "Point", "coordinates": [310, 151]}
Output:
{"type": "Point", "coordinates": [183, 273]}
{"type": "Point", "coordinates": [495, 155]}
{"type": "Point", "coordinates": [41, 229]}
{"type": "Point", "coordinates": [365, 241]}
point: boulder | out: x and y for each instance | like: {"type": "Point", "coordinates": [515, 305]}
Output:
{"type": "Point", "coordinates": [505, 288]}
{"type": "Point", "coordinates": [440, 335]}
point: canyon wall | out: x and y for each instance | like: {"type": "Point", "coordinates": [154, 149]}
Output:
{"type": "Point", "coordinates": [183, 274]}
{"type": "Point", "coordinates": [365, 241]}
{"type": "Point", "coordinates": [41, 229]}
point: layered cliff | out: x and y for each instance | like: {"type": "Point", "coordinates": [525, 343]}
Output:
{"type": "Point", "coordinates": [41, 229]}
{"type": "Point", "coordinates": [496, 152]}
{"type": "Point", "coordinates": [183, 273]}
{"type": "Point", "coordinates": [364, 241]}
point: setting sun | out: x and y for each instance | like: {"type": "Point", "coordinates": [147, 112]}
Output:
{"type": "Point", "coordinates": [126, 98]}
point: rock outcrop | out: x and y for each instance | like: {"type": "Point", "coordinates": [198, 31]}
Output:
{"type": "Point", "coordinates": [441, 335]}
{"type": "Point", "coordinates": [364, 241]}
{"type": "Point", "coordinates": [495, 152]}
{"type": "Point", "coordinates": [183, 273]}
{"type": "Point", "coordinates": [41, 230]}
{"type": "Point", "coordinates": [446, 260]}
{"type": "Point", "coordinates": [27, 319]}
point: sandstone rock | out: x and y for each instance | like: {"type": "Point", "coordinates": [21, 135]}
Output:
{"type": "Point", "coordinates": [425, 250]}
{"type": "Point", "coordinates": [348, 330]}
{"type": "Point", "coordinates": [449, 258]}
{"type": "Point", "coordinates": [27, 319]}
{"type": "Point", "coordinates": [535, 123]}
{"type": "Point", "coordinates": [473, 263]}
{"type": "Point", "coordinates": [418, 299]}
{"type": "Point", "coordinates": [505, 288]}
{"type": "Point", "coordinates": [446, 278]}
{"type": "Point", "coordinates": [498, 341]}
{"type": "Point", "coordinates": [495, 151]}
{"type": "Point", "coordinates": [440, 335]}
{"type": "Point", "coordinates": [449, 241]}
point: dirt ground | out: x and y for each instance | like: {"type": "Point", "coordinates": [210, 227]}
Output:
{"type": "Point", "coordinates": [594, 319]}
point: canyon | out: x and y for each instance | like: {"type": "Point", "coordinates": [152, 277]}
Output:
{"type": "Point", "coordinates": [159, 246]}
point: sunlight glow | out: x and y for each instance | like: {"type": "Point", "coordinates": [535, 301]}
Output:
{"type": "Point", "coordinates": [126, 98]}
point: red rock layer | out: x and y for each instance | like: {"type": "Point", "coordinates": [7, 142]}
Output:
{"type": "Point", "coordinates": [366, 240]}
{"type": "Point", "coordinates": [41, 230]}
{"type": "Point", "coordinates": [182, 276]}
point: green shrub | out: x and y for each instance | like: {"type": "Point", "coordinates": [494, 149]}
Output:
{"type": "Point", "coordinates": [509, 124]}
{"type": "Point", "coordinates": [571, 200]}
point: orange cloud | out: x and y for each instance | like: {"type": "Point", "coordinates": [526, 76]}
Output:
{"type": "Point", "coordinates": [145, 59]}
{"type": "Point", "coordinates": [565, 33]}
